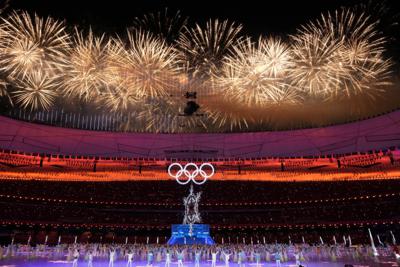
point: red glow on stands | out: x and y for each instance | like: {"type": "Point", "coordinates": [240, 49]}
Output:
{"type": "Point", "coordinates": [380, 165]}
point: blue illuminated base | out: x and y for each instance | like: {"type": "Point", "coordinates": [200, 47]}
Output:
{"type": "Point", "coordinates": [181, 236]}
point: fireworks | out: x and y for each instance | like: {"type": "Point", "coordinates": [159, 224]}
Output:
{"type": "Point", "coordinates": [317, 66]}
{"type": "Point", "coordinates": [85, 77]}
{"type": "Point", "coordinates": [256, 72]}
{"type": "Point", "coordinates": [164, 25]}
{"type": "Point", "coordinates": [232, 120]}
{"type": "Point", "coordinates": [120, 98]}
{"type": "Point", "coordinates": [3, 89]}
{"type": "Point", "coordinates": [340, 55]}
{"type": "Point", "coordinates": [36, 91]}
{"type": "Point", "coordinates": [202, 49]}
{"type": "Point", "coordinates": [161, 115]}
{"type": "Point", "coordinates": [31, 43]}
{"type": "Point", "coordinates": [147, 72]}
{"type": "Point", "coordinates": [147, 67]}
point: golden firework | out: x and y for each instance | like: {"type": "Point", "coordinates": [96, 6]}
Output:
{"type": "Point", "coordinates": [256, 73]}
{"type": "Point", "coordinates": [147, 67]}
{"type": "Point", "coordinates": [163, 24]}
{"type": "Point", "coordinates": [86, 75]}
{"type": "Point", "coordinates": [317, 67]}
{"type": "Point", "coordinates": [30, 43]}
{"type": "Point", "coordinates": [3, 88]}
{"type": "Point", "coordinates": [203, 48]}
{"type": "Point", "coordinates": [240, 82]}
{"type": "Point", "coordinates": [355, 63]}
{"type": "Point", "coordinates": [37, 90]}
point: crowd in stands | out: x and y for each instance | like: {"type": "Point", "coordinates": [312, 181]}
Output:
{"type": "Point", "coordinates": [214, 192]}
{"type": "Point", "coordinates": [238, 204]}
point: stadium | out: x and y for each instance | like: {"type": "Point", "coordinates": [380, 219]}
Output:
{"type": "Point", "coordinates": [167, 134]}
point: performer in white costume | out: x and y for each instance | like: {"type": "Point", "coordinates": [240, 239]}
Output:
{"type": "Point", "coordinates": [227, 255]}
{"type": "Point", "coordinates": [112, 257]}
{"type": "Point", "coordinates": [76, 258]}
{"type": "Point", "coordinates": [130, 258]}
{"type": "Point", "coordinates": [214, 258]}
{"type": "Point", "coordinates": [90, 258]}
{"type": "Point", "coordinates": [167, 258]}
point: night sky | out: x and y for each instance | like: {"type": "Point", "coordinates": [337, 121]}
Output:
{"type": "Point", "coordinates": [258, 17]}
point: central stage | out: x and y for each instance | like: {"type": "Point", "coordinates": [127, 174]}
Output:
{"type": "Point", "coordinates": [181, 235]}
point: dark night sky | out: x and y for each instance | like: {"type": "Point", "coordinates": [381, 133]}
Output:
{"type": "Point", "coordinates": [258, 17]}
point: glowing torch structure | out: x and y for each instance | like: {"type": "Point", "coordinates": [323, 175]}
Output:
{"type": "Point", "coordinates": [191, 231]}
{"type": "Point", "coordinates": [191, 202]}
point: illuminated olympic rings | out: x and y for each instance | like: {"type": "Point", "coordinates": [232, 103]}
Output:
{"type": "Point", "coordinates": [191, 174]}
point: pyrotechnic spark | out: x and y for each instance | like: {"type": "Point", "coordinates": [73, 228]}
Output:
{"type": "Point", "coordinates": [147, 67]}
{"type": "Point", "coordinates": [166, 115]}
{"type": "Point", "coordinates": [120, 98]}
{"type": "Point", "coordinates": [32, 43]}
{"type": "Point", "coordinates": [356, 53]}
{"type": "Point", "coordinates": [202, 49]}
{"type": "Point", "coordinates": [4, 93]}
{"type": "Point", "coordinates": [256, 72]}
{"type": "Point", "coordinates": [3, 89]}
{"type": "Point", "coordinates": [368, 71]}
{"type": "Point", "coordinates": [227, 119]}
{"type": "Point", "coordinates": [317, 65]}
{"type": "Point", "coordinates": [36, 91]}
{"type": "Point", "coordinates": [86, 75]}
{"type": "Point", "coordinates": [339, 55]}
{"type": "Point", "coordinates": [164, 25]}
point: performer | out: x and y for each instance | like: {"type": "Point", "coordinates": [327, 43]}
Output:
{"type": "Point", "coordinates": [197, 256]}
{"type": "Point", "coordinates": [297, 257]}
{"type": "Point", "coordinates": [167, 258]}
{"type": "Point", "coordinates": [278, 257]}
{"type": "Point", "coordinates": [90, 259]}
{"type": "Point", "coordinates": [226, 257]}
{"type": "Point", "coordinates": [130, 258]}
{"type": "Point", "coordinates": [257, 256]}
{"type": "Point", "coordinates": [150, 258]}
{"type": "Point", "coordinates": [214, 258]}
{"type": "Point", "coordinates": [112, 256]}
{"type": "Point", "coordinates": [158, 257]}
{"type": "Point", "coordinates": [76, 258]}
{"type": "Point", "coordinates": [179, 255]}
{"type": "Point", "coordinates": [241, 258]}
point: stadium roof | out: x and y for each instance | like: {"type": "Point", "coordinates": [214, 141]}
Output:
{"type": "Point", "coordinates": [372, 134]}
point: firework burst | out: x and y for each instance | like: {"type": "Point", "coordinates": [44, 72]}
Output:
{"type": "Point", "coordinates": [30, 43]}
{"type": "Point", "coordinates": [317, 65]}
{"type": "Point", "coordinates": [147, 67]}
{"type": "Point", "coordinates": [355, 62]}
{"type": "Point", "coordinates": [35, 91]}
{"type": "Point", "coordinates": [256, 73]}
{"type": "Point", "coordinates": [86, 73]}
{"type": "Point", "coordinates": [227, 119]}
{"type": "Point", "coordinates": [120, 98]}
{"type": "Point", "coordinates": [163, 24]}
{"type": "Point", "coordinates": [203, 48]}
{"type": "Point", "coordinates": [239, 82]}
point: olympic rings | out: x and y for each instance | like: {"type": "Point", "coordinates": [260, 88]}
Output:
{"type": "Point", "coordinates": [191, 175]}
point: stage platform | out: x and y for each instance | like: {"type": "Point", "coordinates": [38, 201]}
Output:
{"type": "Point", "coordinates": [122, 263]}
{"type": "Point", "coordinates": [181, 235]}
